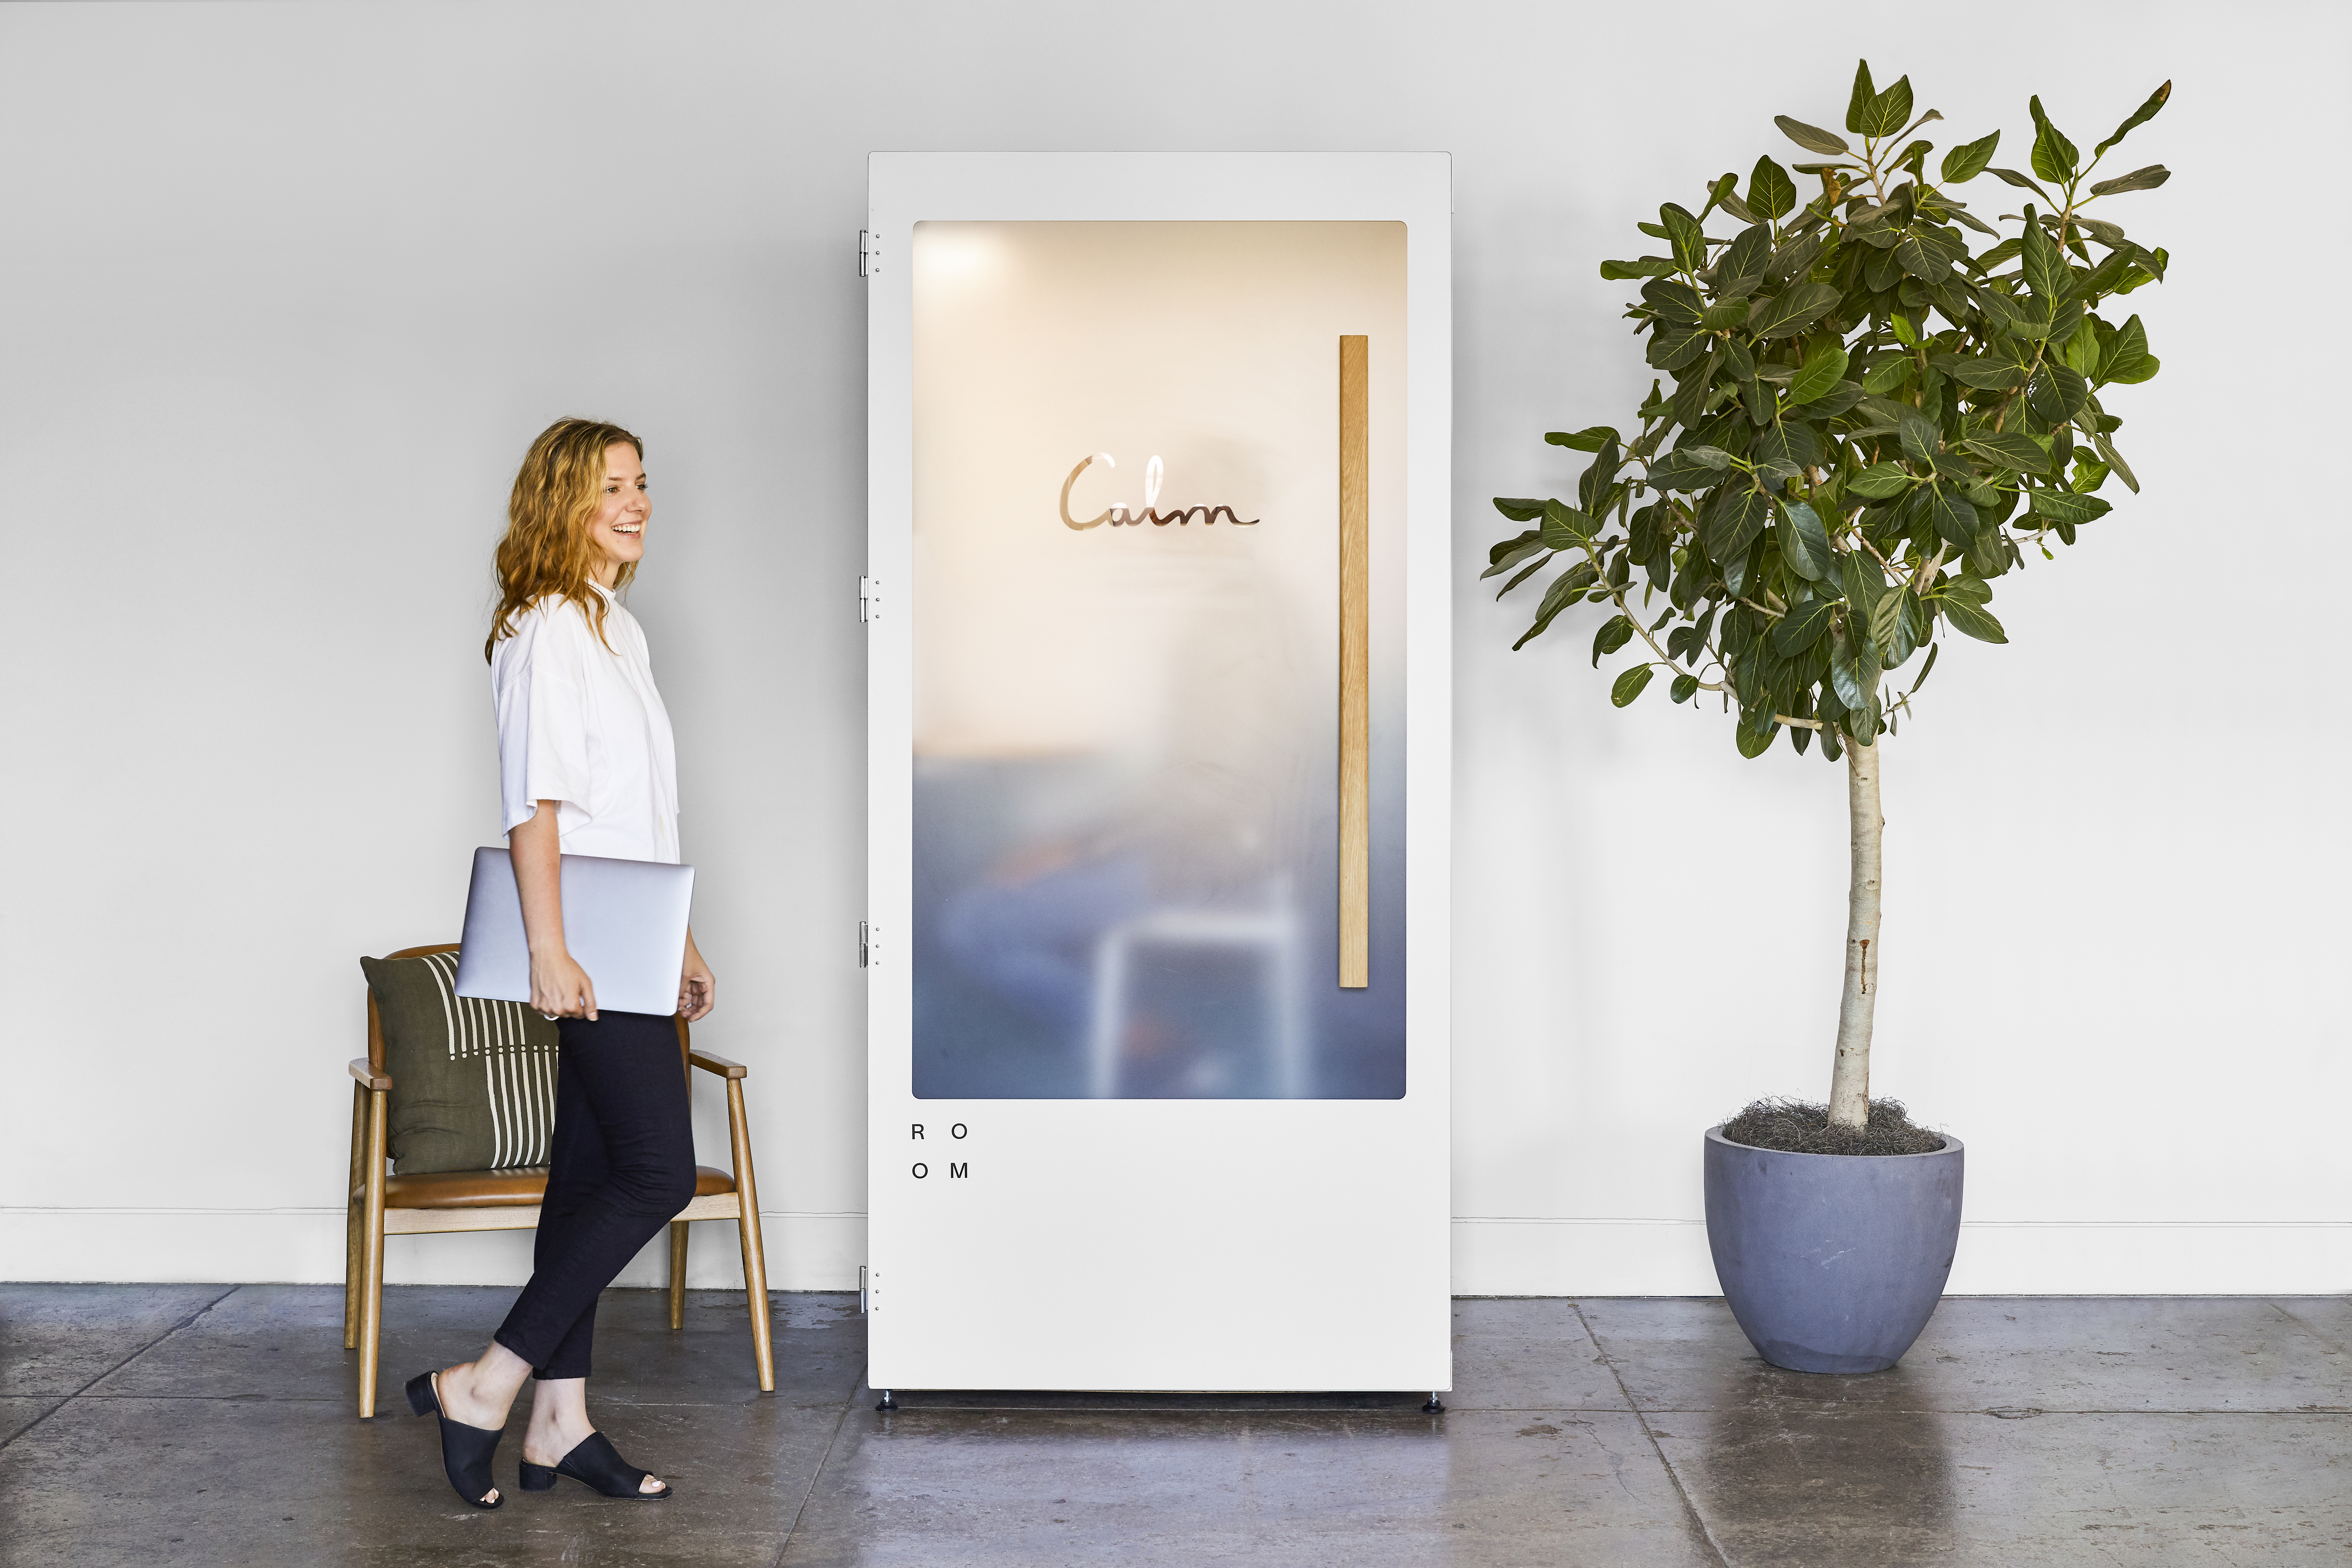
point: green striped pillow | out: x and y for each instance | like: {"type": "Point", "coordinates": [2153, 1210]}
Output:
{"type": "Point", "coordinates": [473, 1082]}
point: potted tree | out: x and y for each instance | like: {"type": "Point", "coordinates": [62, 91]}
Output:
{"type": "Point", "coordinates": [1869, 423]}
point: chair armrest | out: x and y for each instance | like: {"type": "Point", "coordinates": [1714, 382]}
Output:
{"type": "Point", "coordinates": [718, 1065]}
{"type": "Point", "coordinates": [368, 1077]}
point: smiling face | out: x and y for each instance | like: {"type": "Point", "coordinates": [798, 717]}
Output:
{"type": "Point", "coordinates": [617, 531]}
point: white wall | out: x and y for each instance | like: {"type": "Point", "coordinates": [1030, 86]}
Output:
{"type": "Point", "coordinates": [284, 291]}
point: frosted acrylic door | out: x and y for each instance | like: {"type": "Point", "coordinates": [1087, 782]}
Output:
{"type": "Point", "coordinates": [1149, 1041]}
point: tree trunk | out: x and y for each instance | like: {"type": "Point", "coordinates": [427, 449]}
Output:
{"type": "Point", "coordinates": [1850, 1081]}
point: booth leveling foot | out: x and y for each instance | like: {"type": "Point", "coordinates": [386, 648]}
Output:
{"type": "Point", "coordinates": [888, 1404]}
{"type": "Point", "coordinates": [1435, 1406]}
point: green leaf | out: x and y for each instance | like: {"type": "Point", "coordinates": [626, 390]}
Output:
{"type": "Point", "coordinates": [1745, 257]}
{"type": "Point", "coordinates": [1683, 233]}
{"type": "Point", "coordinates": [1929, 668]}
{"type": "Point", "coordinates": [2045, 266]}
{"type": "Point", "coordinates": [1717, 192]}
{"type": "Point", "coordinates": [1824, 365]}
{"type": "Point", "coordinates": [1791, 311]}
{"type": "Point", "coordinates": [1811, 137]}
{"type": "Point", "coordinates": [1965, 163]}
{"type": "Point", "coordinates": [1518, 510]}
{"type": "Point", "coordinates": [1804, 543]}
{"type": "Point", "coordinates": [1673, 346]}
{"type": "Point", "coordinates": [1565, 590]}
{"type": "Point", "coordinates": [1648, 267]}
{"type": "Point", "coordinates": [1591, 438]}
{"type": "Point", "coordinates": [1770, 191]}
{"type": "Point", "coordinates": [2057, 392]}
{"type": "Point", "coordinates": [1754, 744]}
{"type": "Point", "coordinates": [1977, 623]}
{"type": "Point", "coordinates": [1788, 448]}
{"type": "Point", "coordinates": [2054, 155]}
{"type": "Point", "coordinates": [1880, 481]}
{"type": "Point", "coordinates": [1919, 437]}
{"type": "Point", "coordinates": [2140, 116]}
{"type": "Point", "coordinates": [1737, 517]}
{"type": "Point", "coordinates": [1889, 112]}
{"type": "Point", "coordinates": [2114, 461]}
{"type": "Point", "coordinates": [1566, 528]}
{"type": "Point", "coordinates": [1989, 375]}
{"type": "Point", "coordinates": [2066, 506]}
{"type": "Point", "coordinates": [2145, 179]}
{"type": "Point", "coordinates": [2126, 355]}
{"type": "Point", "coordinates": [1681, 471]}
{"type": "Point", "coordinates": [1674, 302]}
{"type": "Point", "coordinates": [1684, 686]}
{"type": "Point", "coordinates": [1857, 107]}
{"type": "Point", "coordinates": [1888, 375]}
{"type": "Point", "coordinates": [1885, 622]}
{"type": "Point", "coordinates": [1511, 551]}
{"type": "Point", "coordinates": [1630, 684]}
{"type": "Point", "coordinates": [1954, 520]}
{"type": "Point", "coordinates": [2023, 183]}
{"type": "Point", "coordinates": [1854, 672]}
{"type": "Point", "coordinates": [1615, 632]}
{"type": "Point", "coordinates": [1803, 627]}
{"type": "Point", "coordinates": [2011, 451]}
{"type": "Point", "coordinates": [1521, 575]}
{"type": "Point", "coordinates": [1860, 578]}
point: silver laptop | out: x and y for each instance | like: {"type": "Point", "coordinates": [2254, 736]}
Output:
{"type": "Point", "coordinates": [623, 922]}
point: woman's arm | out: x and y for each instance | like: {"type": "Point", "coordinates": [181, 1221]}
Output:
{"type": "Point", "coordinates": [559, 987]}
{"type": "Point", "coordinates": [697, 992]}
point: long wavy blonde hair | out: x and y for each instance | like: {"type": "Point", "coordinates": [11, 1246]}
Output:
{"type": "Point", "coordinates": [547, 549]}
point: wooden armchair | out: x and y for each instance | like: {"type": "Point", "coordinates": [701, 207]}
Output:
{"type": "Point", "coordinates": [384, 1205]}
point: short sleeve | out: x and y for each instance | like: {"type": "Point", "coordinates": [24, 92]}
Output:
{"type": "Point", "coordinates": [542, 716]}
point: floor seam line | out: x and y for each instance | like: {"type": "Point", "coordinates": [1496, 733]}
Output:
{"type": "Point", "coordinates": [1682, 1494]}
{"type": "Point", "coordinates": [817, 1474]}
{"type": "Point", "coordinates": [27, 1429]}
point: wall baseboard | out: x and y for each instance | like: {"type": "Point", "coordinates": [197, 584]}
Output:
{"type": "Point", "coordinates": [1492, 1256]}
{"type": "Point", "coordinates": [305, 1247]}
{"type": "Point", "coordinates": [1518, 1256]}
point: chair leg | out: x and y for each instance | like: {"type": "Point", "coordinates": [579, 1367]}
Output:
{"type": "Point", "coordinates": [353, 1231]}
{"type": "Point", "coordinates": [372, 1282]}
{"type": "Point", "coordinates": [678, 1273]}
{"type": "Point", "coordinates": [755, 1256]}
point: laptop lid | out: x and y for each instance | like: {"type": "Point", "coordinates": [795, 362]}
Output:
{"type": "Point", "coordinates": [623, 922]}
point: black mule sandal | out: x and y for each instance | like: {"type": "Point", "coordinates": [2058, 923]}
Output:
{"type": "Point", "coordinates": [596, 1463]}
{"type": "Point", "coordinates": [465, 1451]}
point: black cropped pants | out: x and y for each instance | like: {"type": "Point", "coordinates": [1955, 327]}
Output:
{"type": "Point", "coordinates": [621, 1166]}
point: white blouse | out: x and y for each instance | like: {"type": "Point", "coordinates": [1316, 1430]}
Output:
{"type": "Point", "coordinates": [581, 725]}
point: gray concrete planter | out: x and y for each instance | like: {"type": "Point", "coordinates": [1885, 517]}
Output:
{"type": "Point", "coordinates": [1831, 1262]}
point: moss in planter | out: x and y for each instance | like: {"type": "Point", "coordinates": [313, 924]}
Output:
{"type": "Point", "coordinates": [1802, 1127]}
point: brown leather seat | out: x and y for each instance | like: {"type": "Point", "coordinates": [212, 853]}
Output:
{"type": "Point", "coordinates": [503, 1189]}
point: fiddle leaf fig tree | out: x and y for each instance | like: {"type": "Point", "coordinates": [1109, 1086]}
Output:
{"type": "Point", "coordinates": [1869, 423]}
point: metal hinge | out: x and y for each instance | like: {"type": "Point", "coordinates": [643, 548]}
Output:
{"type": "Point", "coordinates": [865, 945]}
{"type": "Point", "coordinates": [864, 1296]}
{"type": "Point", "coordinates": [870, 598]}
{"type": "Point", "coordinates": [869, 253]}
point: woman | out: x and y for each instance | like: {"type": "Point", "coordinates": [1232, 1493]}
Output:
{"type": "Point", "coordinates": [585, 767]}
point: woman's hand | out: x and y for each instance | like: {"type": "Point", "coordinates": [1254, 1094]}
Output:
{"type": "Point", "coordinates": [559, 988]}
{"type": "Point", "coordinates": [697, 992]}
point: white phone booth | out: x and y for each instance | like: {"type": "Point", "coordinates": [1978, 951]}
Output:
{"type": "Point", "coordinates": [1159, 727]}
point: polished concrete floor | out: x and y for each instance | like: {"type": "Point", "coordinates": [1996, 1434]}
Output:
{"type": "Point", "coordinates": [184, 1423]}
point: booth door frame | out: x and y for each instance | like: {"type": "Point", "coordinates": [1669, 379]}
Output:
{"type": "Point", "coordinates": [1228, 1245]}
